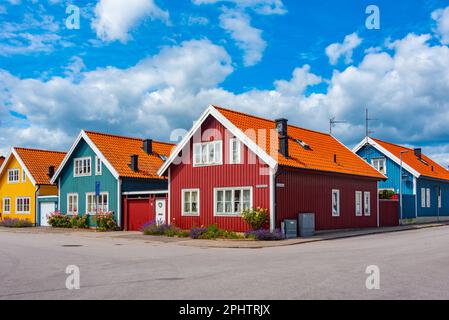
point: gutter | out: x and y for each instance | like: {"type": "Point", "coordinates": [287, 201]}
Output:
{"type": "Point", "coordinates": [36, 196]}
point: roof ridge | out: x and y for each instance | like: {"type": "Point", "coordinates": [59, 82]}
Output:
{"type": "Point", "coordinates": [269, 120]}
{"type": "Point", "coordinates": [40, 150]}
{"type": "Point", "coordinates": [124, 137]}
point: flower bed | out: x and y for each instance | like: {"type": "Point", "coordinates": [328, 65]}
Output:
{"type": "Point", "coordinates": [265, 235]}
{"type": "Point", "coordinates": [16, 223]}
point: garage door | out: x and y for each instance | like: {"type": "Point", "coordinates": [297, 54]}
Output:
{"type": "Point", "coordinates": [139, 212]}
{"type": "Point", "coordinates": [46, 209]}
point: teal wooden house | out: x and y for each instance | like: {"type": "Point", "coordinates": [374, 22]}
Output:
{"type": "Point", "coordinates": [108, 173]}
{"type": "Point", "coordinates": [425, 183]}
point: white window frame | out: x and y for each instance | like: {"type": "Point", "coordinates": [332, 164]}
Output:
{"type": "Point", "coordinates": [98, 166]}
{"type": "Point", "coordinates": [377, 160]}
{"type": "Point", "coordinates": [4, 205]}
{"type": "Point", "coordinates": [336, 214]}
{"type": "Point", "coordinates": [24, 176]}
{"type": "Point", "coordinates": [359, 204]}
{"type": "Point", "coordinates": [14, 173]}
{"type": "Point", "coordinates": [77, 160]}
{"type": "Point", "coordinates": [206, 145]}
{"type": "Point", "coordinates": [238, 146]}
{"type": "Point", "coordinates": [428, 199]}
{"type": "Point", "coordinates": [20, 208]}
{"type": "Point", "coordinates": [423, 198]}
{"type": "Point", "coordinates": [233, 190]}
{"type": "Point", "coordinates": [190, 213]}
{"type": "Point", "coordinates": [440, 198]}
{"type": "Point", "coordinates": [72, 212]}
{"type": "Point", "coordinates": [101, 205]}
{"type": "Point", "coordinates": [367, 204]}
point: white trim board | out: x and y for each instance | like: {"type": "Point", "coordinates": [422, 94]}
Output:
{"type": "Point", "coordinates": [387, 153]}
{"type": "Point", "coordinates": [136, 193]}
{"type": "Point", "coordinates": [211, 110]}
{"type": "Point", "coordinates": [83, 135]}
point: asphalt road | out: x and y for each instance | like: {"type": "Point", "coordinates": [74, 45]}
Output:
{"type": "Point", "coordinates": [413, 265]}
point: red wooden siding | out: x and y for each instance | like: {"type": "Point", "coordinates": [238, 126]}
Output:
{"type": "Point", "coordinates": [311, 192]}
{"type": "Point", "coordinates": [185, 176]}
{"type": "Point", "coordinates": [389, 213]}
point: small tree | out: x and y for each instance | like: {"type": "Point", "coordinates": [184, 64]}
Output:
{"type": "Point", "coordinates": [256, 218]}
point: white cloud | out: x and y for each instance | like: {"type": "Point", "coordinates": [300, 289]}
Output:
{"type": "Point", "coordinates": [337, 50]}
{"type": "Point", "coordinates": [115, 18]}
{"type": "Point", "coordinates": [265, 7]}
{"type": "Point", "coordinates": [248, 38]}
{"type": "Point", "coordinates": [441, 17]}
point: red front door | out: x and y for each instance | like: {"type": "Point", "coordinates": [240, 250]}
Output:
{"type": "Point", "coordinates": [139, 213]}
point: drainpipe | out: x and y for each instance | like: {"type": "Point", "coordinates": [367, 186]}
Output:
{"type": "Point", "coordinates": [36, 196]}
{"type": "Point", "coordinates": [276, 175]}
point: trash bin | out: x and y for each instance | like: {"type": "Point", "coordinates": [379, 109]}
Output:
{"type": "Point", "coordinates": [290, 229]}
{"type": "Point", "coordinates": [306, 223]}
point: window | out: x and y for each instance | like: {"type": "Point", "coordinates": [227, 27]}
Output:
{"type": "Point", "coordinates": [23, 205]}
{"type": "Point", "coordinates": [425, 198]}
{"type": "Point", "coordinates": [98, 166]}
{"type": "Point", "coordinates": [335, 203]}
{"type": "Point", "coordinates": [72, 203]}
{"type": "Point", "coordinates": [380, 165]}
{"type": "Point", "coordinates": [91, 203]}
{"type": "Point", "coordinates": [206, 154]}
{"type": "Point", "coordinates": [82, 167]}
{"type": "Point", "coordinates": [235, 151]}
{"type": "Point", "coordinates": [13, 176]}
{"type": "Point", "coordinates": [191, 202]}
{"type": "Point", "coordinates": [6, 205]}
{"type": "Point", "coordinates": [232, 201]}
{"type": "Point", "coordinates": [24, 176]}
{"type": "Point", "coordinates": [358, 204]}
{"type": "Point", "coordinates": [367, 204]}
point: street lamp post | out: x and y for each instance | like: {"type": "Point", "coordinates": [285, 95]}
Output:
{"type": "Point", "coordinates": [400, 186]}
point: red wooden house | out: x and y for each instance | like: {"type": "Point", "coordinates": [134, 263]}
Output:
{"type": "Point", "coordinates": [230, 161]}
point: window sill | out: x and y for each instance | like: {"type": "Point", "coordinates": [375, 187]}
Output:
{"type": "Point", "coordinates": [229, 215]}
{"type": "Point", "coordinates": [190, 215]}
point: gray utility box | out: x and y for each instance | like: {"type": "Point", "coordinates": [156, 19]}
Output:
{"type": "Point", "coordinates": [290, 229]}
{"type": "Point", "coordinates": [306, 223]}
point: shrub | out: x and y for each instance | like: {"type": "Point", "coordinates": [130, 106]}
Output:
{"type": "Point", "coordinates": [80, 221]}
{"type": "Point", "coordinates": [106, 222]}
{"type": "Point", "coordinates": [212, 233]}
{"type": "Point", "coordinates": [386, 194]}
{"type": "Point", "coordinates": [58, 220]}
{"type": "Point", "coordinates": [256, 218]}
{"type": "Point", "coordinates": [153, 229]}
{"type": "Point", "coordinates": [195, 233]}
{"type": "Point", "coordinates": [265, 235]}
{"type": "Point", "coordinates": [16, 223]}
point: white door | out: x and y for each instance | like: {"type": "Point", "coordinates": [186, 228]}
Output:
{"type": "Point", "coordinates": [46, 209]}
{"type": "Point", "coordinates": [160, 211]}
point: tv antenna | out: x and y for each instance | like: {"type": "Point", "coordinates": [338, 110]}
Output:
{"type": "Point", "coordinates": [367, 122]}
{"type": "Point", "coordinates": [333, 123]}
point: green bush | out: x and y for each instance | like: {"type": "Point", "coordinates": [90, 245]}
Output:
{"type": "Point", "coordinates": [106, 222]}
{"type": "Point", "coordinates": [212, 233]}
{"type": "Point", "coordinates": [80, 221]}
{"type": "Point", "coordinates": [386, 194]}
{"type": "Point", "coordinates": [153, 229]}
{"type": "Point", "coordinates": [16, 223]}
{"type": "Point", "coordinates": [58, 220]}
{"type": "Point", "coordinates": [256, 218]}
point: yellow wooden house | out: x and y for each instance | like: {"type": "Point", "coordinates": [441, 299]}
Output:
{"type": "Point", "coordinates": [25, 189]}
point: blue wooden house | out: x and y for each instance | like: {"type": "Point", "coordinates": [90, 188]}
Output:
{"type": "Point", "coordinates": [425, 183]}
{"type": "Point", "coordinates": [117, 173]}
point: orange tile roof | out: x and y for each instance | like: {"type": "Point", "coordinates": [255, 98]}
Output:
{"type": "Point", "coordinates": [320, 157]}
{"type": "Point", "coordinates": [428, 168]}
{"type": "Point", "coordinates": [38, 161]}
{"type": "Point", "coordinates": [118, 151]}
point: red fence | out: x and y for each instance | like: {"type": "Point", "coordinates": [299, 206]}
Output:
{"type": "Point", "coordinates": [389, 213]}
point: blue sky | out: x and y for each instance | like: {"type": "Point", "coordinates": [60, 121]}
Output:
{"type": "Point", "coordinates": [144, 67]}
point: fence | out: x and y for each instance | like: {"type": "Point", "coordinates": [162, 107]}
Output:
{"type": "Point", "coordinates": [389, 213]}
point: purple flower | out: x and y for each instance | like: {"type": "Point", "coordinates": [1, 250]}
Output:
{"type": "Point", "coordinates": [266, 235]}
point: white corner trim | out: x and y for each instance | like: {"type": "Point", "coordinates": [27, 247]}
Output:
{"type": "Point", "coordinates": [94, 148]}
{"type": "Point", "coordinates": [119, 202]}
{"type": "Point", "coordinates": [387, 153]}
{"type": "Point", "coordinates": [14, 153]}
{"type": "Point", "coordinates": [228, 125]}
{"type": "Point", "coordinates": [273, 189]}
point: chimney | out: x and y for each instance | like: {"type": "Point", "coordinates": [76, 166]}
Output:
{"type": "Point", "coordinates": [134, 163]}
{"type": "Point", "coordinates": [282, 130]}
{"type": "Point", "coordinates": [51, 171]}
{"type": "Point", "coordinates": [418, 153]}
{"type": "Point", "coordinates": [148, 146]}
